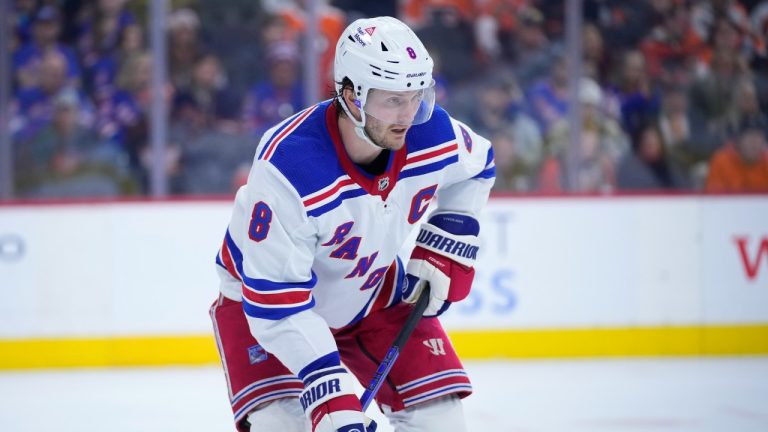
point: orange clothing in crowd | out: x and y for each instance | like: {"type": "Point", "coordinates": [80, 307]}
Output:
{"type": "Point", "coordinates": [416, 11]}
{"type": "Point", "coordinates": [657, 49]}
{"type": "Point", "coordinates": [729, 173]}
{"type": "Point", "coordinates": [331, 24]}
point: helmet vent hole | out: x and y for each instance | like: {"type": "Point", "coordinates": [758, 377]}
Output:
{"type": "Point", "coordinates": [351, 38]}
{"type": "Point", "coordinates": [376, 73]}
{"type": "Point", "coordinates": [422, 83]}
{"type": "Point", "coordinates": [384, 47]}
{"type": "Point", "coordinates": [408, 85]}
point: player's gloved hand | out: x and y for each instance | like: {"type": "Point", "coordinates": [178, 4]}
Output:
{"type": "Point", "coordinates": [445, 253]}
{"type": "Point", "coordinates": [330, 402]}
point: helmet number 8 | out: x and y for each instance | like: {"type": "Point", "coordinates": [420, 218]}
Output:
{"type": "Point", "coordinates": [411, 53]}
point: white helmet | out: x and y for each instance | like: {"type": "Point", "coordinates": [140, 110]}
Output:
{"type": "Point", "coordinates": [385, 54]}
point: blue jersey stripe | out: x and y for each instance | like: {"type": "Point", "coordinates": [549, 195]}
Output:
{"type": "Point", "coordinates": [425, 169]}
{"type": "Point", "coordinates": [263, 284]}
{"type": "Point", "coordinates": [398, 294]}
{"type": "Point", "coordinates": [451, 389]}
{"type": "Point", "coordinates": [429, 379]}
{"type": "Point", "coordinates": [244, 392]}
{"type": "Point", "coordinates": [489, 159]}
{"type": "Point", "coordinates": [336, 202]}
{"type": "Point", "coordinates": [327, 361]}
{"type": "Point", "coordinates": [487, 174]}
{"type": "Point", "coordinates": [274, 314]}
{"type": "Point", "coordinates": [285, 124]}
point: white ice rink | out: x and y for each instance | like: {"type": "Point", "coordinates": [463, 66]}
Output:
{"type": "Point", "coordinates": [691, 394]}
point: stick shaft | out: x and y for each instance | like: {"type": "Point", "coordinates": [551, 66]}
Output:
{"type": "Point", "coordinates": [394, 350]}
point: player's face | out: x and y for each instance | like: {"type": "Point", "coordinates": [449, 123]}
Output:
{"type": "Point", "coordinates": [386, 135]}
{"type": "Point", "coordinates": [389, 114]}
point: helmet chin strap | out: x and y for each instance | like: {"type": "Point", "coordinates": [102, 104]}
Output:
{"type": "Point", "coordinates": [359, 125]}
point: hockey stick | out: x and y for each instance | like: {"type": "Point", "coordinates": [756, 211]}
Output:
{"type": "Point", "coordinates": [394, 350]}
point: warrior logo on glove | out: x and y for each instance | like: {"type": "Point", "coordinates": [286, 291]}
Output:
{"type": "Point", "coordinates": [445, 253]}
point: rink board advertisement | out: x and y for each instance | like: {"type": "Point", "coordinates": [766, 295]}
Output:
{"type": "Point", "coordinates": [131, 282]}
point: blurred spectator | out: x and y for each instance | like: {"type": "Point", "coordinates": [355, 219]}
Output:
{"type": "Point", "coordinates": [742, 166]}
{"type": "Point", "coordinates": [759, 23]}
{"type": "Point", "coordinates": [125, 113]}
{"type": "Point", "coordinates": [184, 46]}
{"type": "Point", "coordinates": [597, 60]}
{"type": "Point", "coordinates": [279, 96]}
{"type": "Point", "coordinates": [418, 13]}
{"type": "Point", "coordinates": [708, 18]}
{"type": "Point", "coordinates": [124, 108]}
{"type": "Point", "coordinates": [594, 169]}
{"type": "Point", "coordinates": [450, 36]}
{"type": "Point", "coordinates": [684, 136]}
{"type": "Point", "coordinates": [713, 95]}
{"type": "Point", "coordinates": [45, 35]}
{"type": "Point", "coordinates": [515, 171]}
{"type": "Point", "coordinates": [637, 94]}
{"type": "Point", "coordinates": [212, 96]}
{"type": "Point", "coordinates": [496, 26]}
{"type": "Point", "coordinates": [532, 52]}
{"type": "Point", "coordinates": [35, 104]}
{"type": "Point", "coordinates": [356, 9]}
{"type": "Point", "coordinates": [625, 24]}
{"type": "Point", "coordinates": [23, 15]}
{"type": "Point", "coordinates": [204, 160]}
{"type": "Point", "coordinates": [547, 98]}
{"type": "Point", "coordinates": [101, 71]}
{"type": "Point", "coordinates": [102, 30]}
{"type": "Point", "coordinates": [760, 62]}
{"type": "Point", "coordinates": [65, 159]}
{"type": "Point", "coordinates": [233, 33]}
{"type": "Point", "coordinates": [331, 23]}
{"type": "Point", "coordinates": [745, 103]}
{"type": "Point", "coordinates": [726, 36]}
{"type": "Point", "coordinates": [500, 111]}
{"type": "Point", "coordinates": [494, 96]}
{"type": "Point", "coordinates": [602, 144]}
{"type": "Point", "coordinates": [647, 167]}
{"type": "Point", "coordinates": [673, 40]}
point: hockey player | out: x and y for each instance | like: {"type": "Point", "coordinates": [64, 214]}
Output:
{"type": "Point", "coordinates": [312, 290]}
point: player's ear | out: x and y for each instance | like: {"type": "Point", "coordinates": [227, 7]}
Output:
{"type": "Point", "coordinates": [348, 94]}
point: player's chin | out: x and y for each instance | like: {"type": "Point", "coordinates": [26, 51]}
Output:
{"type": "Point", "coordinates": [396, 137]}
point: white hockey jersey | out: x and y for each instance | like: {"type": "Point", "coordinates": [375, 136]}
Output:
{"type": "Point", "coordinates": [312, 235]}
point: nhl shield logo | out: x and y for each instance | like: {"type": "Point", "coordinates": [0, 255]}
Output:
{"type": "Point", "coordinates": [383, 183]}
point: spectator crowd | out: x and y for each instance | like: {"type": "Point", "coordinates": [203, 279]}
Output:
{"type": "Point", "coordinates": [673, 97]}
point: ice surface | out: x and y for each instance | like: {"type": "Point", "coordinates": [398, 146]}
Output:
{"type": "Point", "coordinates": [617, 395]}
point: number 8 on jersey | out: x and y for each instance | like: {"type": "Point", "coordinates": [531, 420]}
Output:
{"type": "Point", "coordinates": [260, 220]}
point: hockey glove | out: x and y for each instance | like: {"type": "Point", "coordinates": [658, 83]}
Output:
{"type": "Point", "coordinates": [330, 402]}
{"type": "Point", "coordinates": [446, 249]}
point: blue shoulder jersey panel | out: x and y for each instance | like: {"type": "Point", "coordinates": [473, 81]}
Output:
{"type": "Point", "coordinates": [431, 146]}
{"type": "Point", "coordinates": [302, 151]}
{"type": "Point", "coordinates": [437, 130]}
